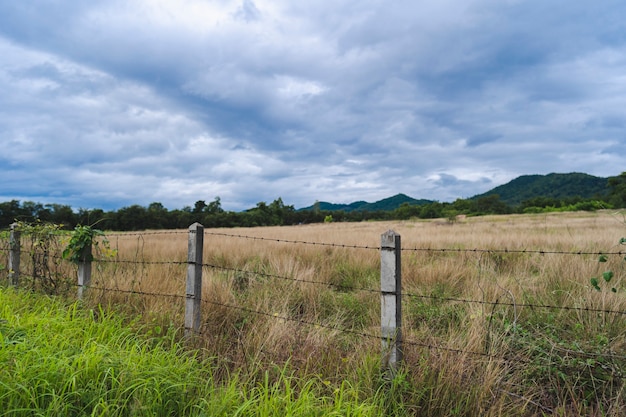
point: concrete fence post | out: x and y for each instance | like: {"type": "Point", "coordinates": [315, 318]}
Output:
{"type": "Point", "coordinates": [391, 299]}
{"type": "Point", "coordinates": [14, 255]}
{"type": "Point", "coordinates": [194, 279]}
{"type": "Point", "coordinates": [84, 272]}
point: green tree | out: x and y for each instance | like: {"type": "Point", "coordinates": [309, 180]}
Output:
{"type": "Point", "coordinates": [463, 206]}
{"type": "Point", "coordinates": [11, 211]}
{"type": "Point", "coordinates": [617, 190]}
{"type": "Point", "coordinates": [432, 210]}
{"type": "Point", "coordinates": [214, 207]}
{"type": "Point", "coordinates": [199, 207]}
{"type": "Point", "coordinates": [92, 217]}
{"type": "Point", "coordinates": [131, 218]}
{"type": "Point", "coordinates": [62, 214]}
{"type": "Point", "coordinates": [157, 216]}
{"type": "Point", "coordinates": [491, 205]}
{"type": "Point", "coordinates": [406, 211]}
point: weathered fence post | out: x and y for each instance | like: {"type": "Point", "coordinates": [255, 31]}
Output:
{"type": "Point", "coordinates": [84, 271]}
{"type": "Point", "coordinates": [14, 255]}
{"type": "Point", "coordinates": [194, 279]}
{"type": "Point", "coordinates": [391, 299]}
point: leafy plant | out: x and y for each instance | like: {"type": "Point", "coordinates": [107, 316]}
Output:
{"type": "Point", "coordinates": [607, 275]}
{"type": "Point", "coordinates": [78, 248]}
{"type": "Point", "coordinates": [41, 244]}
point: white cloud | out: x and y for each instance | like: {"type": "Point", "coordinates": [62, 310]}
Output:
{"type": "Point", "coordinates": [255, 99]}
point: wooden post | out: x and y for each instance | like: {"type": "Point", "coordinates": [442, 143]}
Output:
{"type": "Point", "coordinates": [194, 279]}
{"type": "Point", "coordinates": [391, 299]}
{"type": "Point", "coordinates": [84, 272]}
{"type": "Point", "coordinates": [14, 255]}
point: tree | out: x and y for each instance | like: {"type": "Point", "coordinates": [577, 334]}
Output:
{"type": "Point", "coordinates": [491, 205]}
{"type": "Point", "coordinates": [10, 211]}
{"type": "Point", "coordinates": [61, 214]}
{"type": "Point", "coordinates": [199, 207]}
{"type": "Point", "coordinates": [432, 210]}
{"type": "Point", "coordinates": [406, 211]}
{"type": "Point", "coordinates": [91, 217]}
{"type": "Point", "coordinates": [280, 213]}
{"type": "Point", "coordinates": [617, 190]}
{"type": "Point", "coordinates": [214, 207]}
{"type": "Point", "coordinates": [157, 216]}
{"type": "Point", "coordinates": [131, 218]}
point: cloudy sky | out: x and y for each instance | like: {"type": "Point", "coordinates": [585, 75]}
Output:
{"type": "Point", "coordinates": [104, 104]}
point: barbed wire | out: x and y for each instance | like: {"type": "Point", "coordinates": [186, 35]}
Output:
{"type": "Point", "coordinates": [415, 249]}
{"type": "Point", "coordinates": [343, 287]}
{"type": "Point", "coordinates": [131, 291]}
{"type": "Point", "coordinates": [509, 304]}
{"type": "Point", "coordinates": [405, 342]}
{"type": "Point", "coordinates": [367, 247]}
{"type": "Point", "coordinates": [343, 330]}
{"type": "Point", "coordinates": [150, 233]}
{"type": "Point", "coordinates": [516, 251]}
{"type": "Point", "coordinates": [377, 291]}
{"type": "Point", "coordinates": [296, 280]}
{"type": "Point", "coordinates": [126, 261]}
{"type": "Point", "coordinates": [348, 331]}
{"type": "Point", "coordinates": [302, 242]}
{"type": "Point", "coordinates": [285, 318]}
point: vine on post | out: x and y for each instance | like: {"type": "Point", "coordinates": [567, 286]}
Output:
{"type": "Point", "coordinates": [42, 242]}
{"type": "Point", "coordinates": [81, 240]}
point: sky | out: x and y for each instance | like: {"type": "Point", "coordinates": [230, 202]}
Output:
{"type": "Point", "coordinates": [106, 104]}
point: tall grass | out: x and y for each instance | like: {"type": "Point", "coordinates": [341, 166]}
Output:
{"type": "Point", "coordinates": [479, 337]}
{"type": "Point", "coordinates": [60, 359]}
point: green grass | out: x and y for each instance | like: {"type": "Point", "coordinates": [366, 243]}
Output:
{"type": "Point", "coordinates": [60, 359]}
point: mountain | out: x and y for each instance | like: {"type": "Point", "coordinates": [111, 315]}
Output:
{"type": "Point", "coordinates": [559, 186]}
{"type": "Point", "coordinates": [513, 193]}
{"type": "Point", "coordinates": [387, 204]}
{"type": "Point", "coordinates": [392, 203]}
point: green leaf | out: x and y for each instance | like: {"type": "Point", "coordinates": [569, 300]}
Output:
{"type": "Point", "coordinates": [603, 258]}
{"type": "Point", "coordinates": [622, 241]}
{"type": "Point", "coordinates": [608, 275]}
{"type": "Point", "coordinates": [594, 283]}
{"type": "Point", "coordinates": [613, 289]}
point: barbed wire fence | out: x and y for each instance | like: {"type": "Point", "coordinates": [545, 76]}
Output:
{"type": "Point", "coordinates": [392, 340]}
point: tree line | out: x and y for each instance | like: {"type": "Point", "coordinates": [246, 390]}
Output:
{"type": "Point", "coordinates": [276, 213]}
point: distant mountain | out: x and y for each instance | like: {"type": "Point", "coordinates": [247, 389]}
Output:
{"type": "Point", "coordinates": [513, 193]}
{"type": "Point", "coordinates": [387, 204]}
{"type": "Point", "coordinates": [558, 186]}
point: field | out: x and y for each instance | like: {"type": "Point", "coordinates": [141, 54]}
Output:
{"type": "Point", "coordinates": [499, 314]}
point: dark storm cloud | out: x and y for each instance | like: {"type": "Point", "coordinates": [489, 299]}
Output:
{"type": "Point", "coordinates": [115, 103]}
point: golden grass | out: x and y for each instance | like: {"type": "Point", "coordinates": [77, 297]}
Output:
{"type": "Point", "coordinates": [271, 300]}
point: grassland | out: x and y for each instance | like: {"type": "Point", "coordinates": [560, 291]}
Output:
{"type": "Point", "coordinates": [60, 359]}
{"type": "Point", "coordinates": [502, 322]}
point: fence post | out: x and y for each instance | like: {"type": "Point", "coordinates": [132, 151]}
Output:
{"type": "Point", "coordinates": [84, 271]}
{"type": "Point", "coordinates": [194, 279]}
{"type": "Point", "coordinates": [391, 299]}
{"type": "Point", "coordinates": [14, 255]}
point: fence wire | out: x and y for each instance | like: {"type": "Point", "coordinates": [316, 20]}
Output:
{"type": "Point", "coordinates": [406, 342]}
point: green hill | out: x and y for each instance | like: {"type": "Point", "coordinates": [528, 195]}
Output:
{"type": "Point", "coordinates": [387, 204]}
{"type": "Point", "coordinates": [392, 203]}
{"type": "Point", "coordinates": [559, 186]}
{"type": "Point", "coordinates": [513, 193]}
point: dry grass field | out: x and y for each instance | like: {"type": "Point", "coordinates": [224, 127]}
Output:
{"type": "Point", "coordinates": [499, 315]}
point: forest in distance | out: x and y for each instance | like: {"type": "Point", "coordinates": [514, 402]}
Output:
{"type": "Point", "coordinates": [577, 192]}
